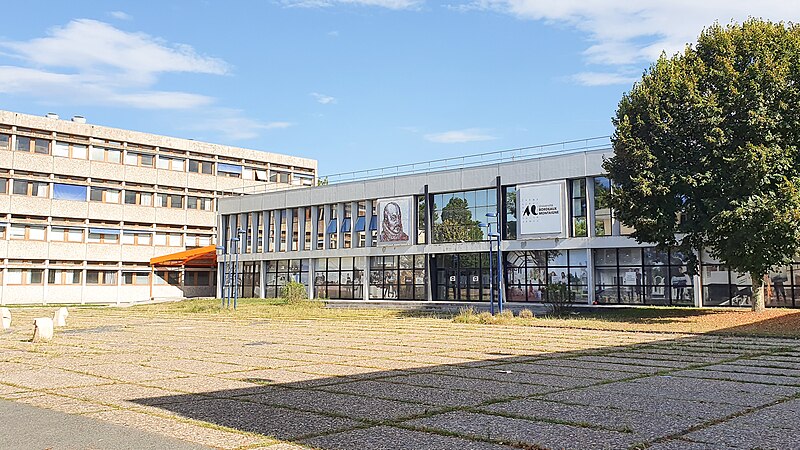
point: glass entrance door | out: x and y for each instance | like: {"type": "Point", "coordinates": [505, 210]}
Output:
{"type": "Point", "coordinates": [462, 277]}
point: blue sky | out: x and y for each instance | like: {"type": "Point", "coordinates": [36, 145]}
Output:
{"type": "Point", "coordinates": [355, 84]}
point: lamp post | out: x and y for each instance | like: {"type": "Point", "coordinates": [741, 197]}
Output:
{"type": "Point", "coordinates": [221, 249]}
{"type": "Point", "coordinates": [243, 233]}
{"type": "Point", "coordinates": [488, 226]}
{"type": "Point", "coordinates": [499, 259]}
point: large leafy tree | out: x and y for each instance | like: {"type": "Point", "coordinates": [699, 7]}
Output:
{"type": "Point", "coordinates": [706, 149]}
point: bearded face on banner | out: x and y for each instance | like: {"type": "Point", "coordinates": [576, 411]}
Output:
{"type": "Point", "coordinates": [392, 226]}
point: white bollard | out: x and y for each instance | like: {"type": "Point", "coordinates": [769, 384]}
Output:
{"type": "Point", "coordinates": [60, 317]}
{"type": "Point", "coordinates": [42, 329]}
{"type": "Point", "coordinates": [5, 318]}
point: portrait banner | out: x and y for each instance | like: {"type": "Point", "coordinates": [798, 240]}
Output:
{"type": "Point", "coordinates": [394, 221]}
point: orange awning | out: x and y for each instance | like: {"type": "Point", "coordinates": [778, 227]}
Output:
{"type": "Point", "coordinates": [196, 257]}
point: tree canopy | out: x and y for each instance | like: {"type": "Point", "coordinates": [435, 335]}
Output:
{"type": "Point", "coordinates": [706, 149]}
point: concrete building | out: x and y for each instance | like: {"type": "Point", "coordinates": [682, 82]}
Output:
{"type": "Point", "coordinates": [416, 236]}
{"type": "Point", "coordinates": [83, 208]}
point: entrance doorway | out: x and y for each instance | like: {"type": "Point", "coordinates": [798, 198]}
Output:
{"type": "Point", "coordinates": [462, 276]}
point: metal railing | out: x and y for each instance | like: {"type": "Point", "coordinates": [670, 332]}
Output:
{"type": "Point", "coordinates": [458, 162]}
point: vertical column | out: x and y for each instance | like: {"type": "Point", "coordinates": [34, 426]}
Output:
{"type": "Point", "coordinates": [254, 221]}
{"type": "Point", "coordinates": [368, 218]}
{"type": "Point", "coordinates": [697, 280]}
{"type": "Point", "coordinates": [311, 268]}
{"type": "Point", "coordinates": [245, 225]}
{"type": "Point", "coordinates": [262, 277]}
{"type": "Point", "coordinates": [428, 219]}
{"type": "Point", "coordinates": [590, 218]}
{"type": "Point", "coordinates": [301, 228]}
{"type": "Point", "coordinates": [265, 218]}
{"type": "Point", "coordinates": [278, 222]}
{"type": "Point", "coordinates": [314, 232]}
{"type": "Point", "coordinates": [289, 213]}
{"type": "Point", "coordinates": [339, 223]}
{"type": "Point", "coordinates": [353, 219]}
{"type": "Point", "coordinates": [590, 276]}
{"type": "Point", "coordinates": [325, 235]}
{"type": "Point", "coordinates": [365, 279]}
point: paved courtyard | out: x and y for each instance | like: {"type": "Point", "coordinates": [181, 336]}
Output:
{"type": "Point", "coordinates": [406, 383]}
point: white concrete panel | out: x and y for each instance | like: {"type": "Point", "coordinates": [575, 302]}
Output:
{"type": "Point", "coordinates": [27, 249]}
{"type": "Point", "coordinates": [445, 182]}
{"type": "Point", "coordinates": [200, 218]}
{"type": "Point", "coordinates": [106, 171]}
{"type": "Point", "coordinates": [561, 167]}
{"type": "Point", "coordinates": [479, 177]}
{"type": "Point", "coordinates": [71, 167]}
{"type": "Point", "coordinates": [100, 294]}
{"type": "Point", "coordinates": [103, 252]}
{"type": "Point", "coordinates": [105, 211]}
{"type": "Point", "coordinates": [380, 188]}
{"type": "Point", "coordinates": [67, 251]}
{"type": "Point", "coordinates": [202, 181]}
{"type": "Point", "coordinates": [33, 162]}
{"type": "Point", "coordinates": [23, 295]}
{"type": "Point", "coordinates": [64, 294]}
{"type": "Point", "coordinates": [140, 214]}
{"type": "Point", "coordinates": [170, 178]}
{"type": "Point", "coordinates": [33, 206]}
{"type": "Point", "coordinates": [69, 208]}
{"type": "Point", "coordinates": [142, 175]}
{"type": "Point", "coordinates": [138, 253]}
{"type": "Point", "coordinates": [520, 173]}
{"type": "Point", "coordinates": [228, 205]}
{"type": "Point", "coordinates": [170, 216]}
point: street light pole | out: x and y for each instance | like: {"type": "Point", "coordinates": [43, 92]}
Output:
{"type": "Point", "coordinates": [491, 270]}
{"type": "Point", "coordinates": [499, 261]}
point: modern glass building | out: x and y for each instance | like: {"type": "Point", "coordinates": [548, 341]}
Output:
{"type": "Point", "coordinates": [418, 233]}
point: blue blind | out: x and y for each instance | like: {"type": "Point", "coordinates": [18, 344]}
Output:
{"type": "Point", "coordinates": [331, 227]}
{"type": "Point", "coordinates": [361, 224]}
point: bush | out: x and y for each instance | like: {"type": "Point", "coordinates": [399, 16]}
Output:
{"type": "Point", "coordinates": [294, 292]}
{"type": "Point", "coordinates": [466, 315]}
{"type": "Point", "coordinates": [526, 314]}
{"type": "Point", "coordinates": [559, 297]}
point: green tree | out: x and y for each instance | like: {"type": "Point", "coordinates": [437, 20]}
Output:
{"type": "Point", "coordinates": [457, 224]}
{"type": "Point", "coordinates": [706, 149]}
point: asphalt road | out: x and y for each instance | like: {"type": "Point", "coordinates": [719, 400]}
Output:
{"type": "Point", "coordinates": [26, 427]}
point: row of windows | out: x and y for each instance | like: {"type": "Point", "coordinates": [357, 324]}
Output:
{"type": "Point", "coordinates": [104, 236]}
{"type": "Point", "coordinates": [75, 192]}
{"type": "Point", "coordinates": [106, 277]}
{"type": "Point", "coordinates": [116, 156]}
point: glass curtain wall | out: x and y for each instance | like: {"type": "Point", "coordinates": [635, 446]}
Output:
{"type": "Point", "coordinates": [282, 271]}
{"type": "Point", "coordinates": [724, 287]}
{"type": "Point", "coordinates": [339, 278]}
{"type": "Point", "coordinates": [529, 273]}
{"type": "Point", "coordinates": [462, 276]}
{"type": "Point", "coordinates": [456, 215]}
{"type": "Point", "coordinates": [397, 277]}
{"type": "Point", "coordinates": [642, 276]}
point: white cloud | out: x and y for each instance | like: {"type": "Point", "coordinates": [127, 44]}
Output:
{"type": "Point", "coordinates": [234, 124]}
{"type": "Point", "coordinates": [388, 4]}
{"type": "Point", "coordinates": [636, 32]}
{"type": "Point", "coordinates": [459, 136]}
{"type": "Point", "coordinates": [323, 99]}
{"type": "Point", "coordinates": [603, 78]}
{"type": "Point", "coordinates": [120, 15]}
{"type": "Point", "coordinates": [92, 62]}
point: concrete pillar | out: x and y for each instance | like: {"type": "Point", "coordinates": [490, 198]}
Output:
{"type": "Point", "coordinates": [339, 222]}
{"type": "Point", "coordinates": [590, 276]}
{"type": "Point", "coordinates": [262, 276]}
{"type": "Point", "coordinates": [365, 279]}
{"type": "Point", "coordinates": [289, 214]}
{"type": "Point", "coordinates": [697, 281]}
{"type": "Point", "coordinates": [245, 224]}
{"type": "Point", "coordinates": [254, 221]}
{"type": "Point", "coordinates": [311, 270]}
{"type": "Point", "coordinates": [353, 219]}
{"type": "Point", "coordinates": [265, 217]}
{"type": "Point", "coordinates": [314, 228]}
{"type": "Point", "coordinates": [301, 228]}
{"type": "Point", "coordinates": [278, 221]}
{"type": "Point", "coordinates": [368, 217]}
{"type": "Point", "coordinates": [325, 222]}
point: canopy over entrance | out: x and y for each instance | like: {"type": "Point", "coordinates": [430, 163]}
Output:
{"type": "Point", "coordinates": [196, 257]}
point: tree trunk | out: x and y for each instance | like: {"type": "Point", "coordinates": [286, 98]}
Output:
{"type": "Point", "coordinates": [759, 304]}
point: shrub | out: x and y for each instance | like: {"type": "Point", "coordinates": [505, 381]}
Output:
{"type": "Point", "coordinates": [559, 297]}
{"type": "Point", "coordinates": [466, 315]}
{"type": "Point", "coordinates": [526, 314]}
{"type": "Point", "coordinates": [294, 292]}
{"type": "Point", "coordinates": [486, 317]}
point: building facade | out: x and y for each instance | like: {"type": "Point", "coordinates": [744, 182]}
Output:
{"type": "Point", "coordinates": [83, 208]}
{"type": "Point", "coordinates": [424, 236]}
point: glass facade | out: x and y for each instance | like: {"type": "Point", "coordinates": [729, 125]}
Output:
{"type": "Point", "coordinates": [397, 277]}
{"type": "Point", "coordinates": [529, 273]}
{"type": "Point", "coordinates": [456, 215]}
{"type": "Point", "coordinates": [462, 276]}
{"type": "Point", "coordinates": [724, 287]}
{"type": "Point", "coordinates": [280, 272]}
{"type": "Point", "coordinates": [602, 208]}
{"type": "Point", "coordinates": [642, 276]}
{"type": "Point", "coordinates": [339, 278]}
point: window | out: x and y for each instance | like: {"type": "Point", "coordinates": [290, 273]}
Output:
{"type": "Point", "coordinates": [192, 278]}
{"type": "Point", "coordinates": [643, 276]}
{"type": "Point", "coordinates": [397, 277]}
{"type": "Point", "coordinates": [65, 234]}
{"type": "Point", "coordinates": [602, 207]}
{"type": "Point", "coordinates": [104, 195]}
{"type": "Point", "coordinates": [3, 185]}
{"type": "Point", "coordinates": [168, 239]}
{"type": "Point", "coordinates": [170, 163]}
{"type": "Point", "coordinates": [456, 215]}
{"type": "Point", "coordinates": [197, 166]}
{"type": "Point", "coordinates": [135, 237]}
{"type": "Point", "coordinates": [70, 150]}
{"type": "Point", "coordinates": [30, 188]}
{"type": "Point", "coordinates": [510, 213]}
{"type": "Point", "coordinates": [169, 200]}
{"type": "Point", "coordinates": [5, 140]}
{"type": "Point", "coordinates": [103, 236]}
{"type": "Point", "coordinates": [139, 159]}
{"type": "Point", "coordinates": [105, 155]}
{"type": "Point", "coordinates": [136, 278]}
{"type": "Point", "coordinates": [201, 203]}
{"type": "Point", "coordinates": [278, 177]}
{"type": "Point", "coordinates": [26, 144]}
{"type": "Point", "coordinates": [138, 198]}
{"type": "Point", "coordinates": [27, 232]}
{"type": "Point", "coordinates": [229, 170]}
{"type": "Point", "coordinates": [280, 272]}
{"type": "Point", "coordinates": [24, 276]}
{"type": "Point", "coordinates": [196, 240]}
{"type": "Point", "coordinates": [577, 189]}
{"type": "Point", "coordinates": [101, 277]}
{"type": "Point", "coordinates": [61, 276]}
{"type": "Point", "coordinates": [69, 192]}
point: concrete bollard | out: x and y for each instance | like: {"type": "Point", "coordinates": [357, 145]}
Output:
{"type": "Point", "coordinates": [5, 318]}
{"type": "Point", "coordinates": [42, 329]}
{"type": "Point", "coordinates": [60, 317]}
